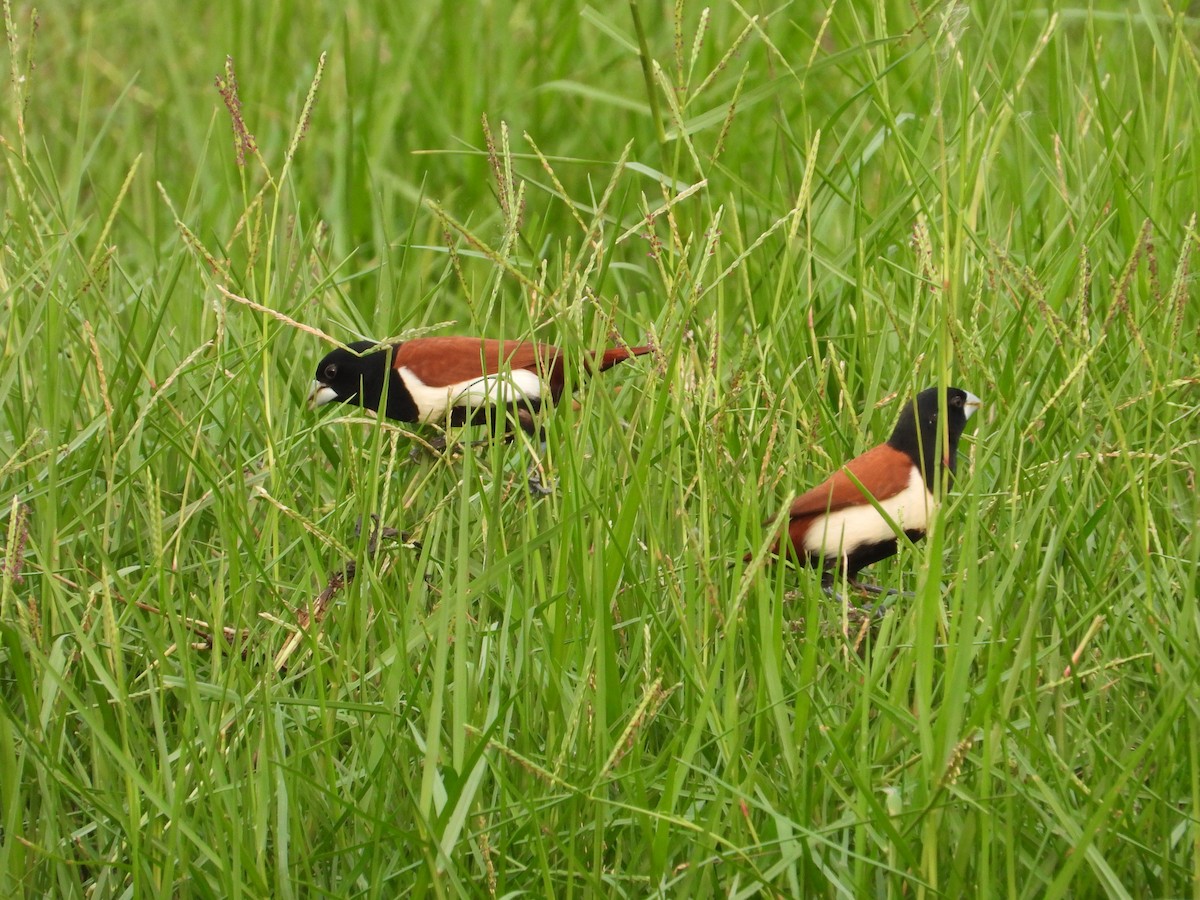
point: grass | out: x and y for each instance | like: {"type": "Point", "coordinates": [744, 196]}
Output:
{"type": "Point", "coordinates": [814, 213]}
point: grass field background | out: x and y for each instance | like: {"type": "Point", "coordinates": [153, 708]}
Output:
{"type": "Point", "coordinates": [814, 211]}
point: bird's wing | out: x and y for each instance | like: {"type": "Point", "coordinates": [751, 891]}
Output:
{"type": "Point", "coordinates": [541, 358]}
{"type": "Point", "coordinates": [448, 361]}
{"type": "Point", "coordinates": [883, 471]}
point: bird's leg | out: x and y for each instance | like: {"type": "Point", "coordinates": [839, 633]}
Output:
{"type": "Point", "coordinates": [873, 610]}
{"type": "Point", "coordinates": [876, 591]}
{"type": "Point", "coordinates": [889, 595]}
{"type": "Point", "coordinates": [495, 417]}
{"type": "Point", "coordinates": [501, 424]}
{"type": "Point", "coordinates": [458, 417]}
{"type": "Point", "coordinates": [434, 447]}
{"type": "Point", "coordinates": [500, 421]}
{"type": "Point", "coordinates": [873, 590]}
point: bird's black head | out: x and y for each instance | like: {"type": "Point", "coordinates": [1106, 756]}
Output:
{"type": "Point", "coordinates": [349, 378]}
{"type": "Point", "coordinates": [917, 432]}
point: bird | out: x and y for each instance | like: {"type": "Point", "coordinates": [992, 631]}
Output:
{"type": "Point", "coordinates": [835, 527]}
{"type": "Point", "coordinates": [455, 380]}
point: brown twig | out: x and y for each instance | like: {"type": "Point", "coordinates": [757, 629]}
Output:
{"type": "Point", "coordinates": [315, 612]}
{"type": "Point", "coordinates": [197, 626]}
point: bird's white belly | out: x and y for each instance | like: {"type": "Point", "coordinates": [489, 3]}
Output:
{"type": "Point", "coordinates": [502, 388]}
{"type": "Point", "coordinates": [842, 532]}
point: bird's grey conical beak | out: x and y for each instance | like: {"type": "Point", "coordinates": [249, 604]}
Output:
{"type": "Point", "coordinates": [320, 394]}
{"type": "Point", "coordinates": [973, 403]}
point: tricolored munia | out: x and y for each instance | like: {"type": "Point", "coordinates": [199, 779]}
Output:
{"type": "Point", "coordinates": [458, 380]}
{"type": "Point", "coordinates": [835, 527]}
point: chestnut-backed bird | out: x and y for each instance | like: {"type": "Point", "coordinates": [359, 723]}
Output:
{"type": "Point", "coordinates": [453, 379]}
{"type": "Point", "coordinates": [834, 526]}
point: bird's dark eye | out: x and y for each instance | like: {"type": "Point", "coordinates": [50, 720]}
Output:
{"type": "Point", "coordinates": [956, 401]}
{"type": "Point", "coordinates": [331, 371]}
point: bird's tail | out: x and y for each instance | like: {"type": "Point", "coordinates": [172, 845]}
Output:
{"type": "Point", "coordinates": [611, 357]}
